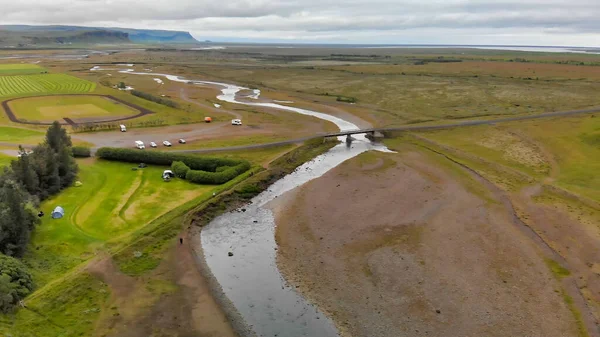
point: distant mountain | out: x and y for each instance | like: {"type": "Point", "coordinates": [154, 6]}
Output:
{"type": "Point", "coordinates": [30, 36]}
{"type": "Point", "coordinates": [157, 36]}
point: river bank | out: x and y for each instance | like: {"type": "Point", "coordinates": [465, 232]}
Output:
{"type": "Point", "coordinates": [406, 245]}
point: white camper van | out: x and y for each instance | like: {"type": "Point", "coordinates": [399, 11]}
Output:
{"type": "Point", "coordinates": [236, 122]}
{"type": "Point", "coordinates": [123, 128]}
{"type": "Point", "coordinates": [139, 144]}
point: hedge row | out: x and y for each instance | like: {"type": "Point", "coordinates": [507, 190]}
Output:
{"type": "Point", "coordinates": [153, 98]}
{"type": "Point", "coordinates": [205, 168]}
{"type": "Point", "coordinates": [81, 151]}
{"type": "Point", "coordinates": [180, 169]}
{"type": "Point", "coordinates": [203, 177]}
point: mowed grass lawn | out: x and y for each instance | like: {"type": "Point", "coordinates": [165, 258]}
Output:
{"type": "Point", "coordinates": [19, 135]}
{"type": "Point", "coordinates": [112, 202]}
{"type": "Point", "coordinates": [5, 160]}
{"type": "Point", "coordinates": [566, 150]}
{"type": "Point", "coordinates": [20, 69]}
{"type": "Point", "coordinates": [51, 108]}
{"type": "Point", "coordinates": [12, 86]}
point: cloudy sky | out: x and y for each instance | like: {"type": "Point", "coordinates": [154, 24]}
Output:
{"type": "Point", "coordinates": [512, 22]}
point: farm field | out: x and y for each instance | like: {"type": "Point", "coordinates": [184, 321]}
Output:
{"type": "Point", "coordinates": [80, 107]}
{"type": "Point", "coordinates": [43, 84]}
{"type": "Point", "coordinates": [20, 69]}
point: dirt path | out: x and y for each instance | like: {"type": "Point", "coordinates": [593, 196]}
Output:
{"type": "Point", "coordinates": [400, 246]}
{"type": "Point", "coordinates": [173, 301]}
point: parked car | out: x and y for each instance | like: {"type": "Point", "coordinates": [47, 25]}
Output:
{"type": "Point", "coordinates": [236, 122]}
{"type": "Point", "coordinates": [153, 144]}
{"type": "Point", "coordinates": [181, 141]}
{"type": "Point", "coordinates": [167, 143]}
{"type": "Point", "coordinates": [139, 144]}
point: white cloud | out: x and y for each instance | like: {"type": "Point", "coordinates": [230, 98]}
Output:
{"type": "Point", "coordinates": [360, 21]}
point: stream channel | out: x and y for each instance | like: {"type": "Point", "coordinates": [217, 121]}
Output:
{"type": "Point", "coordinates": [250, 278]}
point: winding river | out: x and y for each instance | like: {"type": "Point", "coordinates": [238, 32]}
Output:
{"type": "Point", "coordinates": [240, 249]}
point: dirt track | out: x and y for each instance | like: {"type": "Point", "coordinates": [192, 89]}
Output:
{"type": "Point", "coordinates": [397, 245]}
{"type": "Point", "coordinates": [11, 116]}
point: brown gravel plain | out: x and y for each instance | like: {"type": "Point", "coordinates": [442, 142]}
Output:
{"type": "Point", "coordinates": [409, 245]}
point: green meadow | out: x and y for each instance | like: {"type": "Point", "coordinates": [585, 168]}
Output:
{"type": "Point", "coordinates": [20, 135]}
{"type": "Point", "coordinates": [112, 202]}
{"type": "Point", "coordinates": [20, 69]}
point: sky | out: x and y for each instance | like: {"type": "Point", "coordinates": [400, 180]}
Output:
{"type": "Point", "coordinates": [473, 22]}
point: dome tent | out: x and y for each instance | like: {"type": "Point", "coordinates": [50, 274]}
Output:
{"type": "Point", "coordinates": [58, 212]}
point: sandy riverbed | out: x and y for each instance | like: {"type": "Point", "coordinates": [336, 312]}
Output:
{"type": "Point", "coordinates": [397, 245]}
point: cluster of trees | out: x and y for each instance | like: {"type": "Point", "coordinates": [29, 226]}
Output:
{"type": "Point", "coordinates": [33, 177]}
{"type": "Point", "coordinates": [200, 170]}
{"type": "Point", "coordinates": [154, 99]}
{"type": "Point", "coordinates": [15, 282]}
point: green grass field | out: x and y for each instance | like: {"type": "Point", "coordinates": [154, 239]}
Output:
{"type": "Point", "coordinates": [20, 69]}
{"type": "Point", "coordinates": [564, 150]}
{"type": "Point", "coordinates": [117, 211]}
{"type": "Point", "coordinates": [112, 202]}
{"type": "Point", "coordinates": [43, 84]}
{"type": "Point", "coordinates": [52, 108]}
{"type": "Point", "coordinates": [19, 135]}
{"type": "Point", "coordinates": [5, 160]}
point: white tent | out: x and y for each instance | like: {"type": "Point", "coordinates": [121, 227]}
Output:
{"type": "Point", "coordinates": [58, 212]}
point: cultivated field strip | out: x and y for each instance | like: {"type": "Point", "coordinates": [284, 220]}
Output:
{"type": "Point", "coordinates": [43, 84]}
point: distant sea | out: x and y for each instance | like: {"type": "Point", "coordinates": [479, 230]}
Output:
{"type": "Point", "coordinates": [542, 49]}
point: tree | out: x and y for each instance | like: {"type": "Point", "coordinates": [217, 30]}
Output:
{"type": "Point", "coordinates": [121, 85]}
{"type": "Point", "coordinates": [17, 216]}
{"type": "Point", "coordinates": [57, 137]}
{"type": "Point", "coordinates": [15, 282]}
{"type": "Point", "coordinates": [50, 167]}
{"type": "Point", "coordinates": [25, 172]}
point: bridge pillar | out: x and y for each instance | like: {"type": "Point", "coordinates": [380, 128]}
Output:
{"type": "Point", "coordinates": [348, 139]}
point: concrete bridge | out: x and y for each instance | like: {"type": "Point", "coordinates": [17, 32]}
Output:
{"type": "Point", "coordinates": [378, 132]}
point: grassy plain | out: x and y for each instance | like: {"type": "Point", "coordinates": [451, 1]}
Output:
{"type": "Point", "coordinates": [563, 151]}
{"type": "Point", "coordinates": [5, 160]}
{"type": "Point", "coordinates": [400, 86]}
{"type": "Point", "coordinates": [20, 69]}
{"type": "Point", "coordinates": [112, 202]}
{"type": "Point", "coordinates": [50, 108]}
{"type": "Point", "coordinates": [14, 86]}
{"type": "Point", "coordinates": [20, 135]}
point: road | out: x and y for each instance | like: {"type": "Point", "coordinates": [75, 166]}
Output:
{"type": "Point", "coordinates": [400, 128]}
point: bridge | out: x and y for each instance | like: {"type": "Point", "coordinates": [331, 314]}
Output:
{"type": "Point", "coordinates": [374, 131]}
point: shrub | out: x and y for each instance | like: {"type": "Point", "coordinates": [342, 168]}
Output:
{"type": "Point", "coordinates": [154, 99]}
{"type": "Point", "coordinates": [204, 168]}
{"type": "Point", "coordinates": [81, 151]}
{"type": "Point", "coordinates": [15, 282]}
{"type": "Point", "coordinates": [180, 169]}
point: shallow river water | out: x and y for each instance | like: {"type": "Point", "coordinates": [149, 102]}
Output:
{"type": "Point", "coordinates": [250, 278]}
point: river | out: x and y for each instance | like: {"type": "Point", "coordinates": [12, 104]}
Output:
{"type": "Point", "coordinates": [249, 276]}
